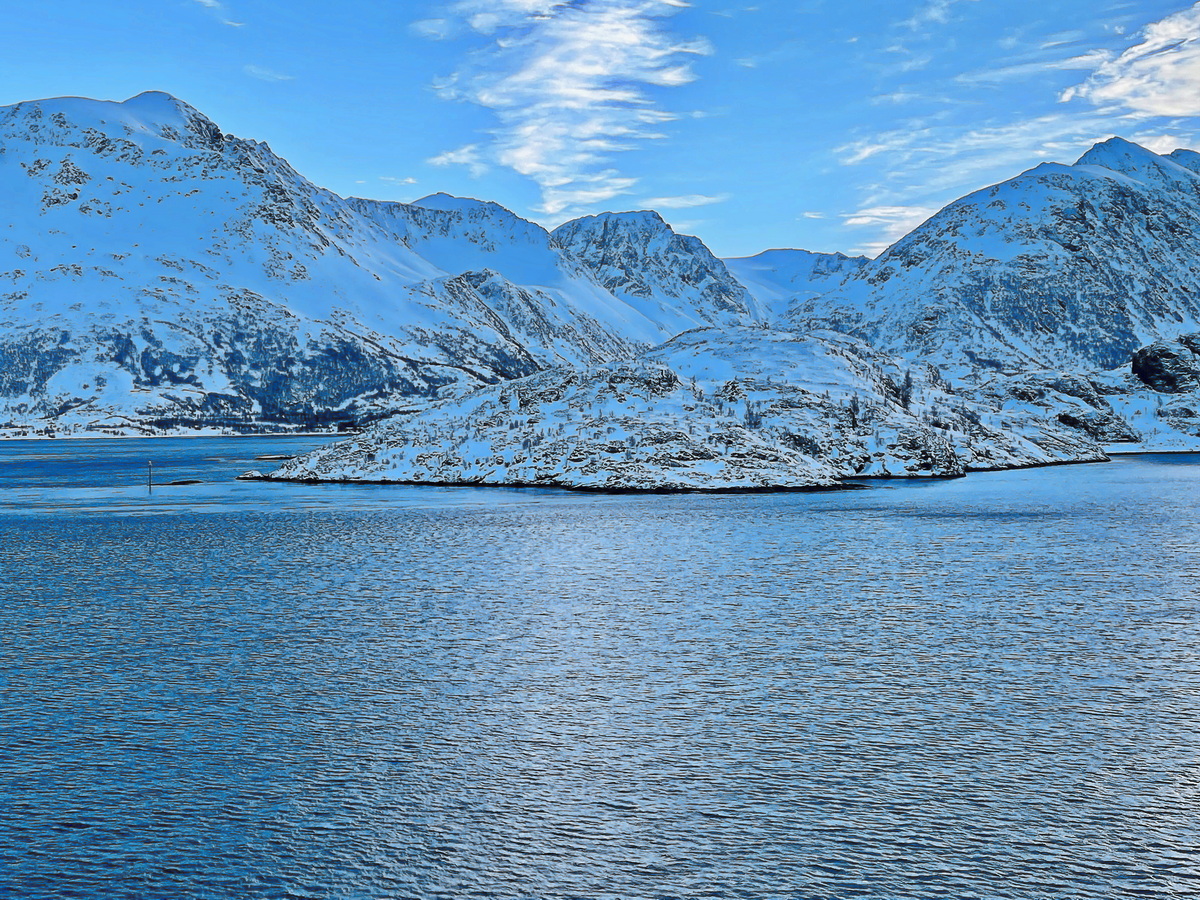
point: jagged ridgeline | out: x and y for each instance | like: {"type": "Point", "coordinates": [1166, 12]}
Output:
{"type": "Point", "coordinates": [156, 273]}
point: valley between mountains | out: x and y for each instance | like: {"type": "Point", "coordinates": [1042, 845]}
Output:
{"type": "Point", "coordinates": [158, 276]}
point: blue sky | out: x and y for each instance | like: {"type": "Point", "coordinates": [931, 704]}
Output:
{"type": "Point", "coordinates": [824, 124]}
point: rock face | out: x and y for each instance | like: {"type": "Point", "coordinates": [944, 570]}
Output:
{"type": "Point", "coordinates": [157, 273]}
{"type": "Point", "coordinates": [669, 277]}
{"type": "Point", "coordinates": [1073, 401]}
{"type": "Point", "coordinates": [709, 410]}
{"type": "Point", "coordinates": [1170, 367]}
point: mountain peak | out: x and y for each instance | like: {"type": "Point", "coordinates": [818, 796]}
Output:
{"type": "Point", "coordinates": [1136, 162]}
{"type": "Point", "coordinates": [161, 99]}
{"type": "Point", "coordinates": [153, 113]}
{"type": "Point", "coordinates": [449, 203]}
{"type": "Point", "coordinates": [1189, 159]}
{"type": "Point", "coordinates": [629, 219]}
{"type": "Point", "coordinates": [1119, 155]}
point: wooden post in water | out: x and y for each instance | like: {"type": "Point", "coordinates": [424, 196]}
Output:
{"type": "Point", "coordinates": [149, 476]}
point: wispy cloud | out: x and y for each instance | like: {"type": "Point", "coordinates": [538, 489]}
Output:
{"type": "Point", "coordinates": [219, 12]}
{"type": "Point", "coordinates": [1017, 71]}
{"type": "Point", "coordinates": [686, 201]}
{"type": "Point", "coordinates": [786, 50]}
{"type": "Point", "coordinates": [928, 158]}
{"type": "Point", "coordinates": [395, 179]}
{"type": "Point", "coordinates": [932, 12]}
{"type": "Point", "coordinates": [1158, 76]}
{"type": "Point", "coordinates": [896, 97]}
{"type": "Point", "coordinates": [571, 85]}
{"type": "Point", "coordinates": [267, 74]}
{"type": "Point", "coordinates": [927, 164]}
{"type": "Point", "coordinates": [470, 156]}
{"type": "Point", "coordinates": [1148, 92]}
{"type": "Point", "coordinates": [435, 29]}
{"type": "Point", "coordinates": [888, 224]}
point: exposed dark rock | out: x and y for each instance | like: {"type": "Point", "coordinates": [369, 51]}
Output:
{"type": "Point", "coordinates": [1170, 367]}
{"type": "Point", "coordinates": [1104, 427]}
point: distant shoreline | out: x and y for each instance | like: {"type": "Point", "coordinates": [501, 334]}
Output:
{"type": "Point", "coordinates": [197, 434]}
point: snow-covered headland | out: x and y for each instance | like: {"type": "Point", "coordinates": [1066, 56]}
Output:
{"type": "Point", "coordinates": [712, 409]}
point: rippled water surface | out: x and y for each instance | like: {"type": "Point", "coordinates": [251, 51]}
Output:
{"type": "Point", "coordinates": [987, 687]}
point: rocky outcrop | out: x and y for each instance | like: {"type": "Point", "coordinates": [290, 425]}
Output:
{"type": "Point", "coordinates": [1170, 367]}
{"type": "Point", "coordinates": [1074, 401]}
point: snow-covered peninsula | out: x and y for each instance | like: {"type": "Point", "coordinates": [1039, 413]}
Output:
{"type": "Point", "coordinates": [742, 409]}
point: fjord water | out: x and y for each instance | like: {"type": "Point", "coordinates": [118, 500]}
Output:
{"type": "Point", "coordinates": [986, 687]}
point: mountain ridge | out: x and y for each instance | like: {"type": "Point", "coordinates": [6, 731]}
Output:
{"type": "Point", "coordinates": [156, 272]}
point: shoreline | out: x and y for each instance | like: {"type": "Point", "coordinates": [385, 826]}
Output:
{"type": "Point", "coordinates": [582, 489]}
{"type": "Point", "coordinates": [849, 483]}
{"type": "Point", "coordinates": [1152, 452]}
{"type": "Point", "coordinates": [197, 434]}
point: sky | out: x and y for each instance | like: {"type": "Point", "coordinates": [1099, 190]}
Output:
{"type": "Point", "coordinates": [821, 124]}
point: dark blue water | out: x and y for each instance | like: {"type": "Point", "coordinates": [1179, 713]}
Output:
{"type": "Point", "coordinates": [987, 687]}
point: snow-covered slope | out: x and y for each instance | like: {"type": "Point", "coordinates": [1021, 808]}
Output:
{"type": "Point", "coordinates": [778, 278]}
{"type": "Point", "coordinates": [712, 409]}
{"type": "Point", "coordinates": [155, 272]}
{"type": "Point", "coordinates": [1069, 267]}
{"type": "Point", "coordinates": [1037, 292]}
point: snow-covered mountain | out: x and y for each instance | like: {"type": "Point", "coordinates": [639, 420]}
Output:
{"type": "Point", "coordinates": [1066, 266]}
{"type": "Point", "coordinates": [777, 279]}
{"type": "Point", "coordinates": [669, 277]}
{"type": "Point", "coordinates": [156, 272]}
{"type": "Point", "coordinates": [740, 408]}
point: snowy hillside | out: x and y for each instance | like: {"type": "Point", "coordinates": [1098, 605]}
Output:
{"type": "Point", "coordinates": [1038, 291]}
{"type": "Point", "coordinates": [736, 408]}
{"type": "Point", "coordinates": [1065, 267]}
{"type": "Point", "coordinates": [778, 278]}
{"type": "Point", "coordinates": [155, 273]}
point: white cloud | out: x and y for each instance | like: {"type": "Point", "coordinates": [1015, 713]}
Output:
{"type": "Point", "coordinates": [1159, 76]}
{"type": "Point", "coordinates": [393, 179]}
{"type": "Point", "coordinates": [1159, 143]}
{"type": "Point", "coordinates": [812, 215]}
{"type": "Point", "coordinates": [267, 74]}
{"type": "Point", "coordinates": [932, 12]}
{"type": "Point", "coordinates": [218, 10]}
{"type": "Point", "coordinates": [469, 156]}
{"type": "Point", "coordinates": [434, 29]}
{"type": "Point", "coordinates": [896, 97]}
{"type": "Point", "coordinates": [890, 223]}
{"type": "Point", "coordinates": [571, 85]}
{"type": "Point", "coordinates": [1034, 69]}
{"type": "Point", "coordinates": [686, 201]}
